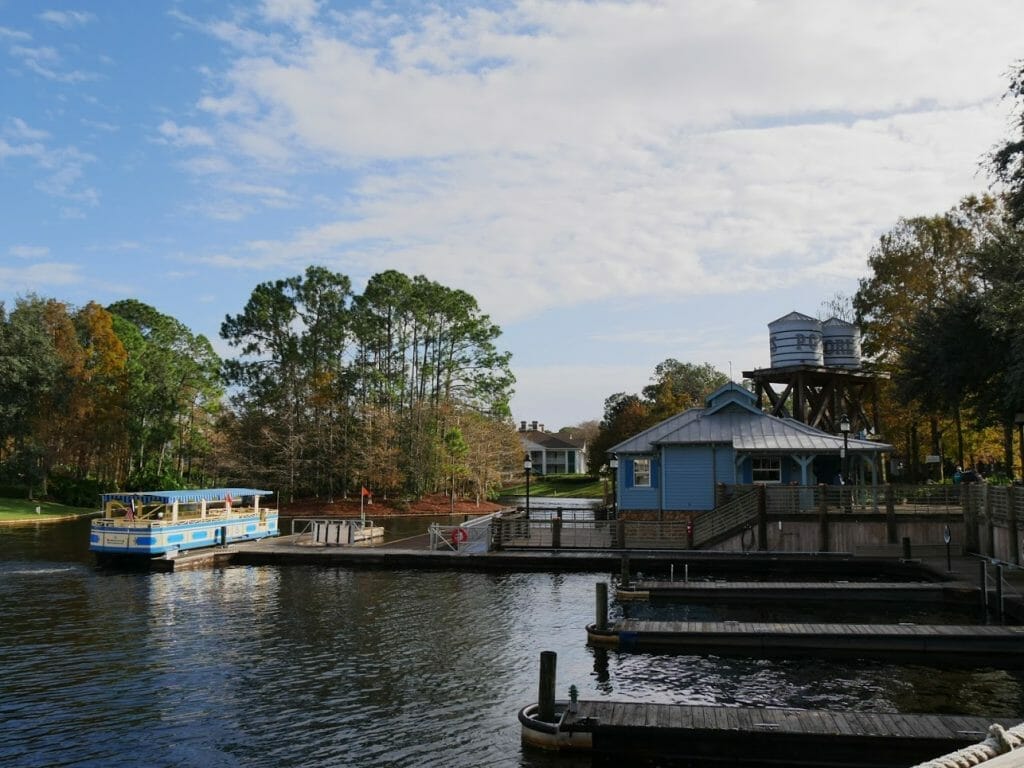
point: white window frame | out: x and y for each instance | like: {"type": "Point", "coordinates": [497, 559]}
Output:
{"type": "Point", "coordinates": [637, 473]}
{"type": "Point", "coordinates": [766, 469]}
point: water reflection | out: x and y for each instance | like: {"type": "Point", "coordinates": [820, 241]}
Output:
{"type": "Point", "coordinates": [326, 667]}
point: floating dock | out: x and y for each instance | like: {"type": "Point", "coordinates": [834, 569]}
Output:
{"type": "Point", "coordinates": [821, 591]}
{"type": "Point", "coordinates": [960, 645]}
{"type": "Point", "coordinates": [714, 736]}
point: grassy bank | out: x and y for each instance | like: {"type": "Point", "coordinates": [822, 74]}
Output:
{"type": "Point", "coordinates": [25, 509]}
{"type": "Point", "coordinates": [565, 486]}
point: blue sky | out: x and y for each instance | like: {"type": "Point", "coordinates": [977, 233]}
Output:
{"type": "Point", "coordinates": [616, 182]}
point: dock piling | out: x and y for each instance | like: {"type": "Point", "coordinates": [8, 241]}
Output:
{"type": "Point", "coordinates": [983, 583]}
{"type": "Point", "coordinates": [624, 575]}
{"type": "Point", "coordinates": [546, 692]}
{"type": "Point", "coordinates": [601, 619]}
{"type": "Point", "coordinates": [999, 594]}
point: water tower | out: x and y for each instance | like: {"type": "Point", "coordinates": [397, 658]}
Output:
{"type": "Point", "coordinates": [816, 375]}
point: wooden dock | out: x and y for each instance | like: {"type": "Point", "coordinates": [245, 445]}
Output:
{"type": "Point", "coordinates": [959, 645]}
{"type": "Point", "coordinates": [837, 592]}
{"type": "Point", "coordinates": [713, 736]}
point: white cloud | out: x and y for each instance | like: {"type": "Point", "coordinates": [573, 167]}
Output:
{"type": "Point", "coordinates": [295, 13]}
{"type": "Point", "coordinates": [183, 135]}
{"type": "Point", "coordinates": [63, 168]}
{"type": "Point", "coordinates": [51, 274]}
{"type": "Point", "coordinates": [29, 251]}
{"type": "Point", "coordinates": [45, 62]}
{"type": "Point", "coordinates": [6, 33]}
{"type": "Point", "coordinates": [67, 19]}
{"type": "Point", "coordinates": [591, 154]}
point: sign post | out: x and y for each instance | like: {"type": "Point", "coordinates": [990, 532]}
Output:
{"type": "Point", "coordinates": [947, 537]}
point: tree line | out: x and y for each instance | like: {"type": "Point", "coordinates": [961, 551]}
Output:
{"type": "Point", "coordinates": [400, 389]}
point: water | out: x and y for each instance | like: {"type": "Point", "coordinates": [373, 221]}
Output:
{"type": "Point", "coordinates": [332, 667]}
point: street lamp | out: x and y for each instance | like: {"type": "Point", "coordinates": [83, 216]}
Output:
{"type": "Point", "coordinates": [527, 466]}
{"type": "Point", "coordinates": [844, 427]}
{"type": "Point", "coordinates": [613, 465]}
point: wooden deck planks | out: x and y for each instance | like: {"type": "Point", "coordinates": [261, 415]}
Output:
{"type": "Point", "coordinates": [661, 716]}
{"type": "Point", "coordinates": [996, 646]}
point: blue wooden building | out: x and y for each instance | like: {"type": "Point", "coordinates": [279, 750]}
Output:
{"type": "Point", "coordinates": [677, 464]}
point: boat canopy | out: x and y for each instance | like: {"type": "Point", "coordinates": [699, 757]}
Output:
{"type": "Point", "coordinates": [184, 497]}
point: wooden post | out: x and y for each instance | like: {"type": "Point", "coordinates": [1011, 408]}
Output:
{"type": "Point", "coordinates": [983, 579]}
{"type": "Point", "coordinates": [556, 530]}
{"type": "Point", "coordinates": [620, 531]}
{"type": "Point", "coordinates": [890, 513]}
{"type": "Point", "coordinates": [546, 690]}
{"type": "Point", "coordinates": [999, 594]}
{"type": "Point", "coordinates": [990, 529]}
{"type": "Point", "coordinates": [601, 606]}
{"type": "Point", "coordinates": [906, 547]}
{"type": "Point", "coordinates": [224, 535]}
{"type": "Point", "coordinates": [822, 520]}
{"type": "Point", "coordinates": [624, 575]}
{"type": "Point", "coordinates": [762, 519]}
{"type": "Point", "coordinates": [496, 533]}
{"type": "Point", "coordinates": [1012, 523]}
{"type": "Point", "coordinates": [969, 503]}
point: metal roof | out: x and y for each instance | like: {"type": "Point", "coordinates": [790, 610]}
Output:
{"type": "Point", "coordinates": [186, 497]}
{"type": "Point", "coordinates": [745, 430]}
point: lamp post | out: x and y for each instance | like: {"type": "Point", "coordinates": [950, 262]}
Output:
{"type": "Point", "coordinates": [844, 427]}
{"type": "Point", "coordinates": [527, 466]}
{"type": "Point", "coordinates": [613, 465]}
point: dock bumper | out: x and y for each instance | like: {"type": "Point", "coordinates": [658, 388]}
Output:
{"type": "Point", "coordinates": [602, 638]}
{"type": "Point", "coordinates": [554, 737]}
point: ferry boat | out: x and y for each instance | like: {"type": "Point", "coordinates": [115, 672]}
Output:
{"type": "Point", "coordinates": [152, 524]}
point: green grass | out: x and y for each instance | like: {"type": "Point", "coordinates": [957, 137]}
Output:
{"type": "Point", "coordinates": [565, 486]}
{"type": "Point", "coordinates": [24, 509]}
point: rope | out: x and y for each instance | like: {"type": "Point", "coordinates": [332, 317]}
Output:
{"type": "Point", "coordinates": [999, 741]}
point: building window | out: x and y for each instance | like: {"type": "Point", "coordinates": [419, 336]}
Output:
{"type": "Point", "coordinates": [642, 473]}
{"type": "Point", "coordinates": [766, 469]}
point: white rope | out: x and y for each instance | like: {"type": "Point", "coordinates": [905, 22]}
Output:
{"type": "Point", "coordinates": [999, 741]}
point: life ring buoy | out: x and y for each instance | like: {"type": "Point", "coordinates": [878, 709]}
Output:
{"type": "Point", "coordinates": [459, 535]}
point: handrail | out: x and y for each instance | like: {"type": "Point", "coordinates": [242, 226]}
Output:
{"type": "Point", "coordinates": [733, 516]}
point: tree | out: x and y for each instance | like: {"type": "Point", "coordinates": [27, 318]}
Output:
{"type": "Point", "coordinates": [292, 336]}
{"type": "Point", "coordinates": [363, 388]}
{"type": "Point", "coordinates": [1006, 162]}
{"type": "Point", "coordinates": [678, 386]}
{"type": "Point", "coordinates": [31, 368]}
{"type": "Point", "coordinates": [950, 360]}
{"type": "Point", "coordinates": [174, 394]}
{"type": "Point", "coordinates": [920, 263]}
{"type": "Point", "coordinates": [675, 387]}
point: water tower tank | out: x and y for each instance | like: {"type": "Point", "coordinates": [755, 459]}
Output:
{"type": "Point", "coordinates": [795, 340]}
{"type": "Point", "coordinates": [840, 343]}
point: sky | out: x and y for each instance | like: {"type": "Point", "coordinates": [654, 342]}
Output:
{"type": "Point", "coordinates": [617, 183]}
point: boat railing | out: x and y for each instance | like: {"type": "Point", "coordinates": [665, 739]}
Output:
{"type": "Point", "coordinates": [159, 513]}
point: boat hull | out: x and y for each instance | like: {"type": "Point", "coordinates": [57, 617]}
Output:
{"type": "Point", "coordinates": [155, 539]}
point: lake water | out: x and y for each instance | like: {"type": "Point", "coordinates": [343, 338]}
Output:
{"type": "Point", "coordinates": [303, 666]}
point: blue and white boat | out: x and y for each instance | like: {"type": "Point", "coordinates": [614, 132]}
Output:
{"type": "Point", "coordinates": [151, 524]}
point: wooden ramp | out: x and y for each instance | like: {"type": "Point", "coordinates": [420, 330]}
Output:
{"type": "Point", "coordinates": [639, 733]}
{"type": "Point", "coordinates": [975, 646]}
{"type": "Point", "coordinates": [822, 591]}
